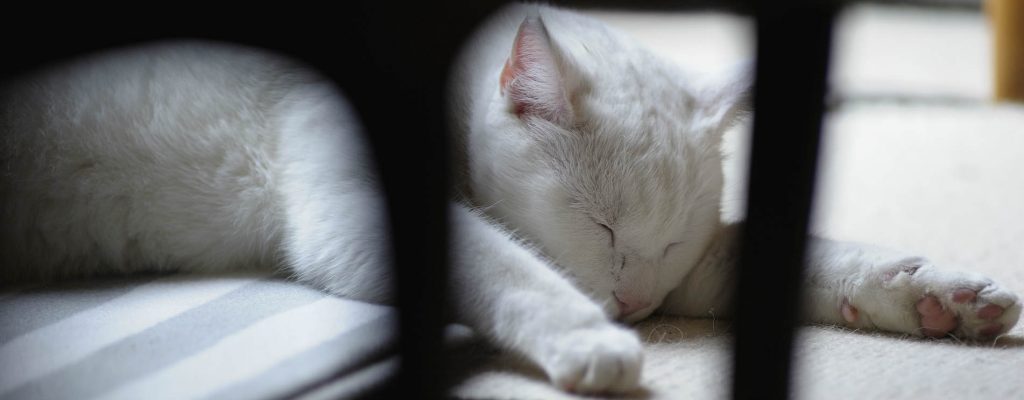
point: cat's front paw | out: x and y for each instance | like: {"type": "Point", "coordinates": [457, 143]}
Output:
{"type": "Point", "coordinates": [921, 299]}
{"type": "Point", "coordinates": [606, 359]}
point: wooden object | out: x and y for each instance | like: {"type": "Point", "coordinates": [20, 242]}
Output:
{"type": "Point", "coordinates": [1007, 17]}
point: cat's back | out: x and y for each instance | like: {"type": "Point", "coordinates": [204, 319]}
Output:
{"type": "Point", "coordinates": [161, 156]}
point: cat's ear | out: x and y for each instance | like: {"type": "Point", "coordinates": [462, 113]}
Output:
{"type": "Point", "coordinates": [532, 80]}
{"type": "Point", "coordinates": [732, 99]}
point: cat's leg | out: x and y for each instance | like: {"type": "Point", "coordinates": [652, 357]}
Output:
{"type": "Point", "coordinates": [863, 286]}
{"type": "Point", "coordinates": [334, 238]}
{"type": "Point", "coordinates": [516, 300]}
{"type": "Point", "coordinates": [334, 228]}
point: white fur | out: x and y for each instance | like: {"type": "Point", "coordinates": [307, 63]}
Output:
{"type": "Point", "coordinates": [134, 160]}
{"type": "Point", "coordinates": [589, 181]}
{"type": "Point", "coordinates": [640, 155]}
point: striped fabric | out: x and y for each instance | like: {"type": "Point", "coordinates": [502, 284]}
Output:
{"type": "Point", "coordinates": [241, 336]}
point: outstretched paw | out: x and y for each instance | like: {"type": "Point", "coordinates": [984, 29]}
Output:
{"type": "Point", "coordinates": [916, 297]}
{"type": "Point", "coordinates": [969, 312]}
{"type": "Point", "coordinates": [601, 360]}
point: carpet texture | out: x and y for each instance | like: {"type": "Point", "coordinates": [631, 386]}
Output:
{"type": "Point", "coordinates": [914, 157]}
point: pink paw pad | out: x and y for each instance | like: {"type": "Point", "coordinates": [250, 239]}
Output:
{"type": "Point", "coordinates": [961, 296]}
{"type": "Point", "coordinates": [850, 313]}
{"type": "Point", "coordinates": [990, 311]}
{"type": "Point", "coordinates": [990, 329]}
{"type": "Point", "coordinates": [936, 321]}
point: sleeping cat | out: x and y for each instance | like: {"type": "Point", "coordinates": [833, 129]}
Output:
{"type": "Point", "coordinates": [590, 192]}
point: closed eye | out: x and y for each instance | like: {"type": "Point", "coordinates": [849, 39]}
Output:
{"type": "Point", "coordinates": [611, 233]}
{"type": "Point", "coordinates": [670, 247]}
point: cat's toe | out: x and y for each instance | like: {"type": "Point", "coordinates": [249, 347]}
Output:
{"type": "Point", "coordinates": [992, 312]}
{"type": "Point", "coordinates": [604, 360]}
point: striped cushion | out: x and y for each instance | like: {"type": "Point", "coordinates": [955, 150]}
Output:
{"type": "Point", "coordinates": [187, 336]}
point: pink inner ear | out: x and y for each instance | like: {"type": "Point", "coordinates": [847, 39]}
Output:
{"type": "Point", "coordinates": [531, 77]}
{"type": "Point", "coordinates": [507, 72]}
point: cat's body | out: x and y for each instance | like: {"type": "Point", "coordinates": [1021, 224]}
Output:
{"type": "Point", "coordinates": [601, 158]}
{"type": "Point", "coordinates": [182, 156]}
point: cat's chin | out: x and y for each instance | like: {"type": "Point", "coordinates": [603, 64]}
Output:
{"type": "Point", "coordinates": [634, 317]}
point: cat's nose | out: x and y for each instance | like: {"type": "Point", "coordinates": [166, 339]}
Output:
{"type": "Point", "coordinates": [628, 305]}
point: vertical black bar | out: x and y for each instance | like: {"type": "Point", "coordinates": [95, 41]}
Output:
{"type": "Point", "coordinates": [793, 41]}
{"type": "Point", "coordinates": [400, 92]}
{"type": "Point", "coordinates": [397, 89]}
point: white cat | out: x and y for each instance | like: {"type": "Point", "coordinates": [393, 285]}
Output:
{"type": "Point", "coordinates": [591, 193]}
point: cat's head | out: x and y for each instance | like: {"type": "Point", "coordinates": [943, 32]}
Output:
{"type": "Point", "coordinates": [605, 158]}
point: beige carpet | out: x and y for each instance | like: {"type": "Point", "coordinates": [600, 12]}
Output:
{"type": "Point", "coordinates": [914, 158]}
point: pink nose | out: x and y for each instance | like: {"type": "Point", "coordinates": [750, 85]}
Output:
{"type": "Point", "coordinates": [629, 305]}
